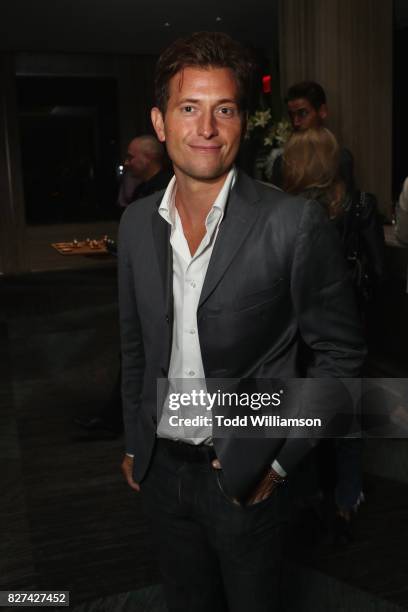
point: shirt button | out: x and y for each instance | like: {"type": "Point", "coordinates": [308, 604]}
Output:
{"type": "Point", "coordinates": [191, 372]}
{"type": "Point", "coordinates": [191, 331]}
{"type": "Point", "coordinates": [193, 284]}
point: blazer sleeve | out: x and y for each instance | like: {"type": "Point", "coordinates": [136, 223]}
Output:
{"type": "Point", "coordinates": [327, 316]}
{"type": "Point", "coordinates": [323, 299]}
{"type": "Point", "coordinates": [132, 349]}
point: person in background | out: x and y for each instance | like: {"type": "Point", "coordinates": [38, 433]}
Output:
{"type": "Point", "coordinates": [311, 168]}
{"type": "Point", "coordinates": [306, 104]}
{"type": "Point", "coordinates": [145, 170]}
{"type": "Point", "coordinates": [401, 228]}
{"type": "Point", "coordinates": [128, 186]}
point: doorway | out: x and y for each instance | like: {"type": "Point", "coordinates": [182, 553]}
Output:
{"type": "Point", "coordinates": [69, 148]}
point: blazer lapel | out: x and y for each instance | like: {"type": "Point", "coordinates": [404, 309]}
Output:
{"type": "Point", "coordinates": [161, 238]}
{"type": "Point", "coordinates": [240, 215]}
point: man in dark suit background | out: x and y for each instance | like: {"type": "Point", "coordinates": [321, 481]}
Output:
{"type": "Point", "coordinates": [306, 104]}
{"type": "Point", "coordinates": [220, 277]}
{"type": "Point", "coordinates": [145, 170]}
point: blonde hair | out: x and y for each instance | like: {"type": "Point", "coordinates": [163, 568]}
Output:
{"type": "Point", "coordinates": [311, 164]}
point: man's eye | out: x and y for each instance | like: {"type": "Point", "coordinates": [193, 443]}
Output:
{"type": "Point", "coordinates": [187, 109]}
{"type": "Point", "coordinates": [225, 110]}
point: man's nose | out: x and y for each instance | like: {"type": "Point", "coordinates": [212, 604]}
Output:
{"type": "Point", "coordinates": [208, 125]}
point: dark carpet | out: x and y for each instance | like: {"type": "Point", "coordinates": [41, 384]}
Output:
{"type": "Point", "coordinates": [68, 520]}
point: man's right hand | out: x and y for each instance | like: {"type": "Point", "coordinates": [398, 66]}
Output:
{"type": "Point", "coordinates": [127, 469]}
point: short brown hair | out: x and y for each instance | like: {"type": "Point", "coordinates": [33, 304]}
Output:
{"type": "Point", "coordinates": [310, 91]}
{"type": "Point", "coordinates": [204, 50]}
{"type": "Point", "coordinates": [311, 163]}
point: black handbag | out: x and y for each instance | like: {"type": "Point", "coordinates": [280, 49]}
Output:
{"type": "Point", "coordinates": [363, 241]}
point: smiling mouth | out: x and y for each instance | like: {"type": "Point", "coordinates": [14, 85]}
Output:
{"type": "Point", "coordinates": [206, 149]}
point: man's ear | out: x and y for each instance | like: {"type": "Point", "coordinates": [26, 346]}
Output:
{"type": "Point", "coordinates": [158, 123]}
{"type": "Point", "coordinates": [323, 112]}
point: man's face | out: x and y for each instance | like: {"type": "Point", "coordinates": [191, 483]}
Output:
{"type": "Point", "coordinates": [136, 161]}
{"type": "Point", "coordinates": [202, 125]}
{"type": "Point", "coordinates": [304, 116]}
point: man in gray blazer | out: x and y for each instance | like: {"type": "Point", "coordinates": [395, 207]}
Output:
{"type": "Point", "coordinates": [220, 277]}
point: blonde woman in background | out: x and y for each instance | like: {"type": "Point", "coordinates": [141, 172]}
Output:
{"type": "Point", "coordinates": [311, 169]}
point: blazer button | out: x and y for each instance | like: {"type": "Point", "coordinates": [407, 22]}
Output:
{"type": "Point", "coordinates": [167, 319]}
{"type": "Point", "coordinates": [154, 420]}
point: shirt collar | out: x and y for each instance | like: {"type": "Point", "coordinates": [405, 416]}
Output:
{"type": "Point", "coordinates": [167, 205]}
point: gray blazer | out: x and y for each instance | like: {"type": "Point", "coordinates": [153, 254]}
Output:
{"type": "Point", "coordinates": [276, 291]}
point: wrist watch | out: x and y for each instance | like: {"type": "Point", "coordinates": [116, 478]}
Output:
{"type": "Point", "coordinates": [274, 477]}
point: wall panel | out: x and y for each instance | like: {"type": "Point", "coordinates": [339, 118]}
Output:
{"type": "Point", "coordinates": [346, 45]}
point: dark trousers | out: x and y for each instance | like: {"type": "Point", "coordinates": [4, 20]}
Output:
{"type": "Point", "coordinates": [214, 555]}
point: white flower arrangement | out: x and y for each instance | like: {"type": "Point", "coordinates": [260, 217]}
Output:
{"type": "Point", "coordinates": [272, 136]}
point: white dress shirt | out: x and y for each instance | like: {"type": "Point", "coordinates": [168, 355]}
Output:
{"type": "Point", "coordinates": [186, 370]}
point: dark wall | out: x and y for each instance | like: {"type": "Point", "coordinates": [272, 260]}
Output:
{"type": "Point", "coordinates": [69, 147]}
{"type": "Point", "coordinates": [76, 115]}
{"type": "Point", "coordinates": [400, 148]}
